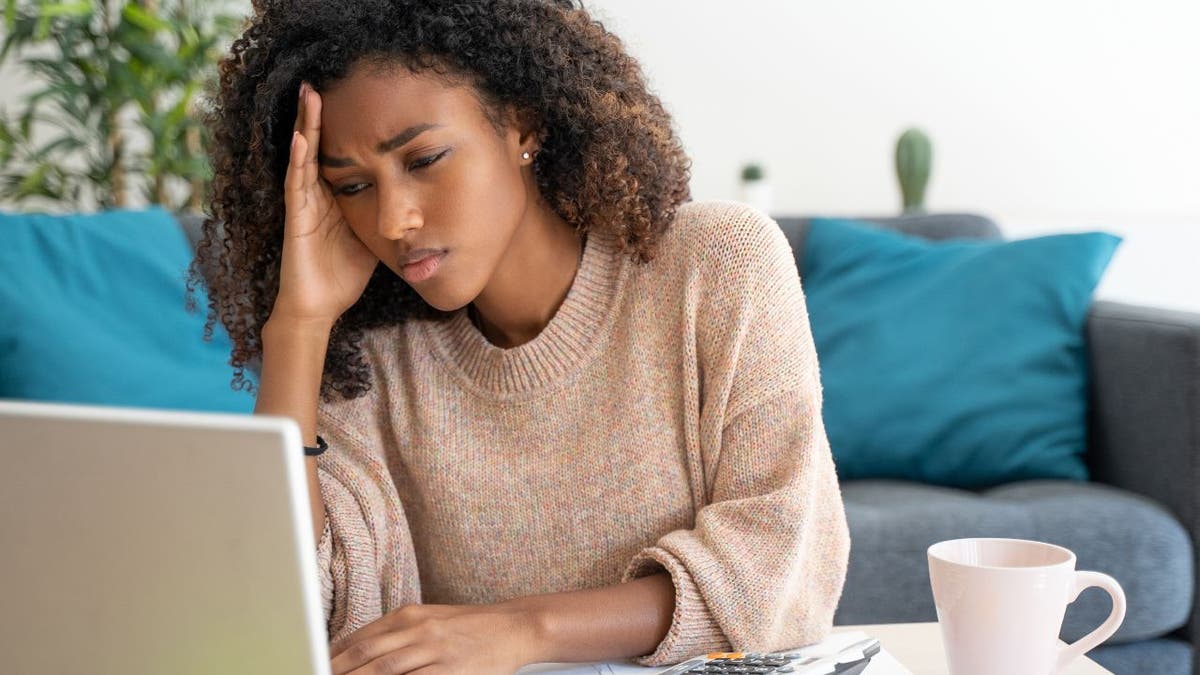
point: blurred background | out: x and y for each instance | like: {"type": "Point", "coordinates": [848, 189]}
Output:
{"type": "Point", "coordinates": [1047, 117]}
{"type": "Point", "coordinates": [981, 383]}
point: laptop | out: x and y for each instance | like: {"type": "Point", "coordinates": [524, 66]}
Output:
{"type": "Point", "coordinates": [155, 542]}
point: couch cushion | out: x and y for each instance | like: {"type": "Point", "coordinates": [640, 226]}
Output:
{"type": "Point", "coordinates": [934, 226]}
{"type": "Point", "coordinates": [990, 333]}
{"type": "Point", "coordinates": [1165, 656]}
{"type": "Point", "coordinates": [97, 312]}
{"type": "Point", "coordinates": [1119, 533]}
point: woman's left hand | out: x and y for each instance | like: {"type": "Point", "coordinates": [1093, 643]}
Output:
{"type": "Point", "coordinates": [439, 640]}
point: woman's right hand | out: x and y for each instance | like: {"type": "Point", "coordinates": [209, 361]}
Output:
{"type": "Point", "coordinates": [325, 267]}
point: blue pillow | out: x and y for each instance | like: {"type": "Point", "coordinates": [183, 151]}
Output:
{"type": "Point", "coordinates": [958, 363]}
{"type": "Point", "coordinates": [94, 313]}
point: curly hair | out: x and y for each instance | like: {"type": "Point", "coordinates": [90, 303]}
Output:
{"type": "Point", "coordinates": [609, 158]}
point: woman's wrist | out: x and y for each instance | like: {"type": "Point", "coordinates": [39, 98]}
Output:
{"type": "Point", "coordinates": [282, 325]}
{"type": "Point", "coordinates": [621, 621]}
{"type": "Point", "coordinates": [531, 635]}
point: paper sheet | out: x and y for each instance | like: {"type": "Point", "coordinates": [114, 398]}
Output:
{"type": "Point", "coordinates": [882, 664]}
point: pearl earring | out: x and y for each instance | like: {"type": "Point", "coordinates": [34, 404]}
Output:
{"type": "Point", "coordinates": [525, 155]}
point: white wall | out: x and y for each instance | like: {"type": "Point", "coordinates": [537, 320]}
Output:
{"type": "Point", "coordinates": [1046, 115]}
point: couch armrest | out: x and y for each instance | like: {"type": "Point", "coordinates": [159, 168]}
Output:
{"type": "Point", "coordinates": [1145, 409]}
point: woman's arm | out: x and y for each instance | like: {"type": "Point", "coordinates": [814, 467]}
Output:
{"type": "Point", "coordinates": [293, 361]}
{"type": "Point", "coordinates": [613, 622]}
{"type": "Point", "coordinates": [763, 565]}
{"type": "Point", "coordinates": [324, 269]}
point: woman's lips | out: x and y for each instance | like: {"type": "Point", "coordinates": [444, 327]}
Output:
{"type": "Point", "coordinates": [420, 270]}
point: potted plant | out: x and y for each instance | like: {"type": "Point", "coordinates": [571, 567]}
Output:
{"type": "Point", "coordinates": [755, 190]}
{"type": "Point", "coordinates": [116, 114]}
{"type": "Point", "coordinates": [914, 159]}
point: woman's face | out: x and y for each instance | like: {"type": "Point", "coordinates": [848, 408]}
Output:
{"type": "Point", "coordinates": [419, 171]}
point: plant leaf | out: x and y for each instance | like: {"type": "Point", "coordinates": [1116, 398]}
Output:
{"type": "Point", "coordinates": [71, 9]}
{"type": "Point", "coordinates": [144, 19]}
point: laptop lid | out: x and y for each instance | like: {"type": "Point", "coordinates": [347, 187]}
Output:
{"type": "Point", "coordinates": [138, 541]}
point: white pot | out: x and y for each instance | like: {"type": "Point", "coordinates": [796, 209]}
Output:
{"type": "Point", "coordinates": [757, 193]}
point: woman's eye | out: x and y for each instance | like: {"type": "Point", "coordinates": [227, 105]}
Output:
{"type": "Point", "coordinates": [351, 189]}
{"type": "Point", "coordinates": [426, 161]}
{"type": "Point", "coordinates": [355, 188]}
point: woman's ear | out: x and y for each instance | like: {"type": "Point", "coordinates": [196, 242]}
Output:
{"type": "Point", "coordinates": [524, 131]}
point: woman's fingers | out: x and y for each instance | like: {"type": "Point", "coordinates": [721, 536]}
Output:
{"type": "Point", "coordinates": [388, 647]}
{"type": "Point", "coordinates": [312, 133]}
{"type": "Point", "coordinates": [402, 661]}
{"type": "Point", "coordinates": [308, 125]}
{"type": "Point", "coordinates": [302, 186]}
{"type": "Point", "coordinates": [293, 182]}
{"type": "Point", "coordinates": [294, 179]}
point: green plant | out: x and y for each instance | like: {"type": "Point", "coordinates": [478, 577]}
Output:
{"type": "Point", "coordinates": [752, 172]}
{"type": "Point", "coordinates": [914, 157]}
{"type": "Point", "coordinates": [117, 104]}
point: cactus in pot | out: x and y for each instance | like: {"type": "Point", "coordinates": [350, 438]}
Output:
{"type": "Point", "coordinates": [914, 159]}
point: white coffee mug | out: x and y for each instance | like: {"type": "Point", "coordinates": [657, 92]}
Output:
{"type": "Point", "coordinates": [1000, 604]}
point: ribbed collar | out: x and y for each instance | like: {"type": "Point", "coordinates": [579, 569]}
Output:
{"type": "Point", "coordinates": [567, 342]}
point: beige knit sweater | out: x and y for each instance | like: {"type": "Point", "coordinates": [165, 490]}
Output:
{"type": "Point", "coordinates": [668, 417]}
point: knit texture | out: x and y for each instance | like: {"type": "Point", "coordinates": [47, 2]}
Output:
{"type": "Point", "coordinates": [668, 418]}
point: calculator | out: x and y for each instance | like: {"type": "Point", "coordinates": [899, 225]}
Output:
{"type": "Point", "coordinates": [858, 658]}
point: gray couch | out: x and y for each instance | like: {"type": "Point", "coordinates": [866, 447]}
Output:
{"type": "Point", "coordinates": [1144, 456]}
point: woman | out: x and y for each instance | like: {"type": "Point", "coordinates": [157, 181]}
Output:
{"type": "Point", "coordinates": [569, 415]}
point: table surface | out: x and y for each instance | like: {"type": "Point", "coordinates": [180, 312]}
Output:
{"type": "Point", "coordinates": [919, 647]}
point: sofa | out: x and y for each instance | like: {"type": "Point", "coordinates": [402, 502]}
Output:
{"type": "Point", "coordinates": [1137, 518]}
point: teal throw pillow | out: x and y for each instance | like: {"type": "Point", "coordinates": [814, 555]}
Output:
{"type": "Point", "coordinates": [94, 313]}
{"type": "Point", "coordinates": [958, 363]}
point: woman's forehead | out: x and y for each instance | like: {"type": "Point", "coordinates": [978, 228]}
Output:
{"type": "Point", "coordinates": [371, 105]}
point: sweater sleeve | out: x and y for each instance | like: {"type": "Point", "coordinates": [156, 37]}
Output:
{"type": "Point", "coordinates": [365, 560]}
{"type": "Point", "coordinates": [762, 568]}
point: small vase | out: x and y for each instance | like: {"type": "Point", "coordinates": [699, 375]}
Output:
{"type": "Point", "coordinates": [757, 193]}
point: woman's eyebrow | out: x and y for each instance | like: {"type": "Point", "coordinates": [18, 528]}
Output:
{"type": "Point", "coordinates": [383, 147]}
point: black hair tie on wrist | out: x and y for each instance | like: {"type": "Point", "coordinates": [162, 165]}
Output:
{"type": "Point", "coordinates": [322, 446]}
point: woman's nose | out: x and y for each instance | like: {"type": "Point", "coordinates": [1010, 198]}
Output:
{"type": "Point", "coordinates": [397, 215]}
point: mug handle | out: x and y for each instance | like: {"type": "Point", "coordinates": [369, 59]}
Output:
{"type": "Point", "coordinates": [1083, 580]}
